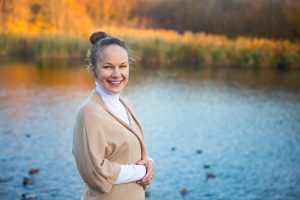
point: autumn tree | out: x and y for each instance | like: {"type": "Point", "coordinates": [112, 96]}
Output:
{"type": "Point", "coordinates": [266, 18]}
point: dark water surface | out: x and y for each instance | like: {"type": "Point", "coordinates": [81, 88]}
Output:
{"type": "Point", "coordinates": [218, 133]}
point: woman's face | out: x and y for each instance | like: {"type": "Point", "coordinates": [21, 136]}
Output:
{"type": "Point", "coordinates": [113, 69]}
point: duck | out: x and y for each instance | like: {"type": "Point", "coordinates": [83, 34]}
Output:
{"type": "Point", "coordinates": [28, 197]}
{"type": "Point", "coordinates": [27, 181]}
{"type": "Point", "coordinates": [33, 171]}
{"type": "Point", "coordinates": [183, 191]}
{"type": "Point", "coordinates": [210, 176]}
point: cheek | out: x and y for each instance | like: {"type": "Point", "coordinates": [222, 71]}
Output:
{"type": "Point", "coordinates": [126, 74]}
{"type": "Point", "coordinates": [102, 74]}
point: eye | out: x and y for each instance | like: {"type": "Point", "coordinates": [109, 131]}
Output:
{"type": "Point", "coordinates": [107, 67]}
{"type": "Point", "coordinates": [123, 66]}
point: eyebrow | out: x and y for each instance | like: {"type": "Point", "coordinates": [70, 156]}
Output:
{"type": "Point", "coordinates": [113, 64]}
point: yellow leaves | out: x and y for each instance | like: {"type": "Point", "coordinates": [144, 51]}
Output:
{"type": "Point", "coordinates": [17, 26]}
{"type": "Point", "coordinates": [46, 17]}
{"type": "Point", "coordinates": [75, 18]}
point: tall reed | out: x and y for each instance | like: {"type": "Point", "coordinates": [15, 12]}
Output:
{"type": "Point", "coordinates": [164, 47]}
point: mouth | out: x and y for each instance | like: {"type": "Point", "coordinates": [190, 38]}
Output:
{"type": "Point", "coordinates": [115, 83]}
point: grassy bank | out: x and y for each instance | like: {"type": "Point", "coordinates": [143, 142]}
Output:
{"type": "Point", "coordinates": [42, 47]}
{"type": "Point", "coordinates": [163, 47]}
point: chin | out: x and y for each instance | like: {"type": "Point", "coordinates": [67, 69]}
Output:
{"type": "Point", "coordinates": [115, 90]}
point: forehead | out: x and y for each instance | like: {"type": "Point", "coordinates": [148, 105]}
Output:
{"type": "Point", "coordinates": [114, 54]}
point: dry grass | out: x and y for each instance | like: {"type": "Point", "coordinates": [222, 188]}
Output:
{"type": "Point", "coordinates": [164, 47]}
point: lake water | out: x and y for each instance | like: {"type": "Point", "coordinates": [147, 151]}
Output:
{"type": "Point", "coordinates": [214, 133]}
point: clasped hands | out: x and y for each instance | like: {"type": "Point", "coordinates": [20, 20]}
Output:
{"type": "Point", "coordinates": [146, 180]}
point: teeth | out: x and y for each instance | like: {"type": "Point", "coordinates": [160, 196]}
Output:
{"type": "Point", "coordinates": [115, 82]}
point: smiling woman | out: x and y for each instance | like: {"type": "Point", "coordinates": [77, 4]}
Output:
{"type": "Point", "coordinates": [113, 71]}
{"type": "Point", "coordinates": [108, 141]}
{"type": "Point", "coordinates": [109, 60]}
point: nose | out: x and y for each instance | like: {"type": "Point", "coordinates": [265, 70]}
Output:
{"type": "Point", "coordinates": [116, 72]}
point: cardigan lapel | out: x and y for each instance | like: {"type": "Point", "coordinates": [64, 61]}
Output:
{"type": "Point", "coordinates": [99, 98]}
{"type": "Point", "coordinates": [133, 119]}
{"type": "Point", "coordinates": [135, 127]}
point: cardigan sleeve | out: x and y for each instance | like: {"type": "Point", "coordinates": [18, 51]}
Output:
{"type": "Point", "coordinates": [89, 145]}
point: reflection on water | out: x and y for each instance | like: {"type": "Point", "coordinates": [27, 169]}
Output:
{"type": "Point", "coordinates": [218, 133]}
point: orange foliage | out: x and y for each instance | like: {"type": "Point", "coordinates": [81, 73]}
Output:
{"type": "Point", "coordinates": [59, 16]}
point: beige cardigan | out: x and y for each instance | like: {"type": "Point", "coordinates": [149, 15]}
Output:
{"type": "Point", "coordinates": [101, 142]}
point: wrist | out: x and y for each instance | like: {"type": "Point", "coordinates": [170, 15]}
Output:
{"type": "Point", "coordinates": [150, 159]}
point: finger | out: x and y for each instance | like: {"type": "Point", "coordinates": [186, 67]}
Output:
{"type": "Point", "coordinates": [147, 177]}
{"type": "Point", "coordinates": [146, 180]}
{"type": "Point", "coordinates": [150, 172]}
{"type": "Point", "coordinates": [142, 162]}
{"type": "Point", "coordinates": [144, 183]}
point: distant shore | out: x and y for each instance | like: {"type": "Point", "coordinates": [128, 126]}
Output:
{"type": "Point", "coordinates": [162, 48]}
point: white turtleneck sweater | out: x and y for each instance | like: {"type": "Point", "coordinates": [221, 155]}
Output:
{"type": "Point", "coordinates": [132, 172]}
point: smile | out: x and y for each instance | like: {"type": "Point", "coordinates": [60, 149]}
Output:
{"type": "Point", "coordinates": [115, 82]}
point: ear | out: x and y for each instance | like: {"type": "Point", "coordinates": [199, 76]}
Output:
{"type": "Point", "coordinates": [93, 72]}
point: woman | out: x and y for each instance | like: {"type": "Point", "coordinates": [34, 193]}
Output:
{"type": "Point", "coordinates": [108, 142]}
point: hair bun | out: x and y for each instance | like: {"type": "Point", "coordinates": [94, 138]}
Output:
{"type": "Point", "coordinates": [95, 37]}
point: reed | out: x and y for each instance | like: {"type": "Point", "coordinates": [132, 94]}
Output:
{"type": "Point", "coordinates": [164, 47]}
{"type": "Point", "coordinates": [43, 47]}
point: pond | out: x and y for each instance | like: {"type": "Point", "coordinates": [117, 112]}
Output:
{"type": "Point", "coordinates": [215, 133]}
